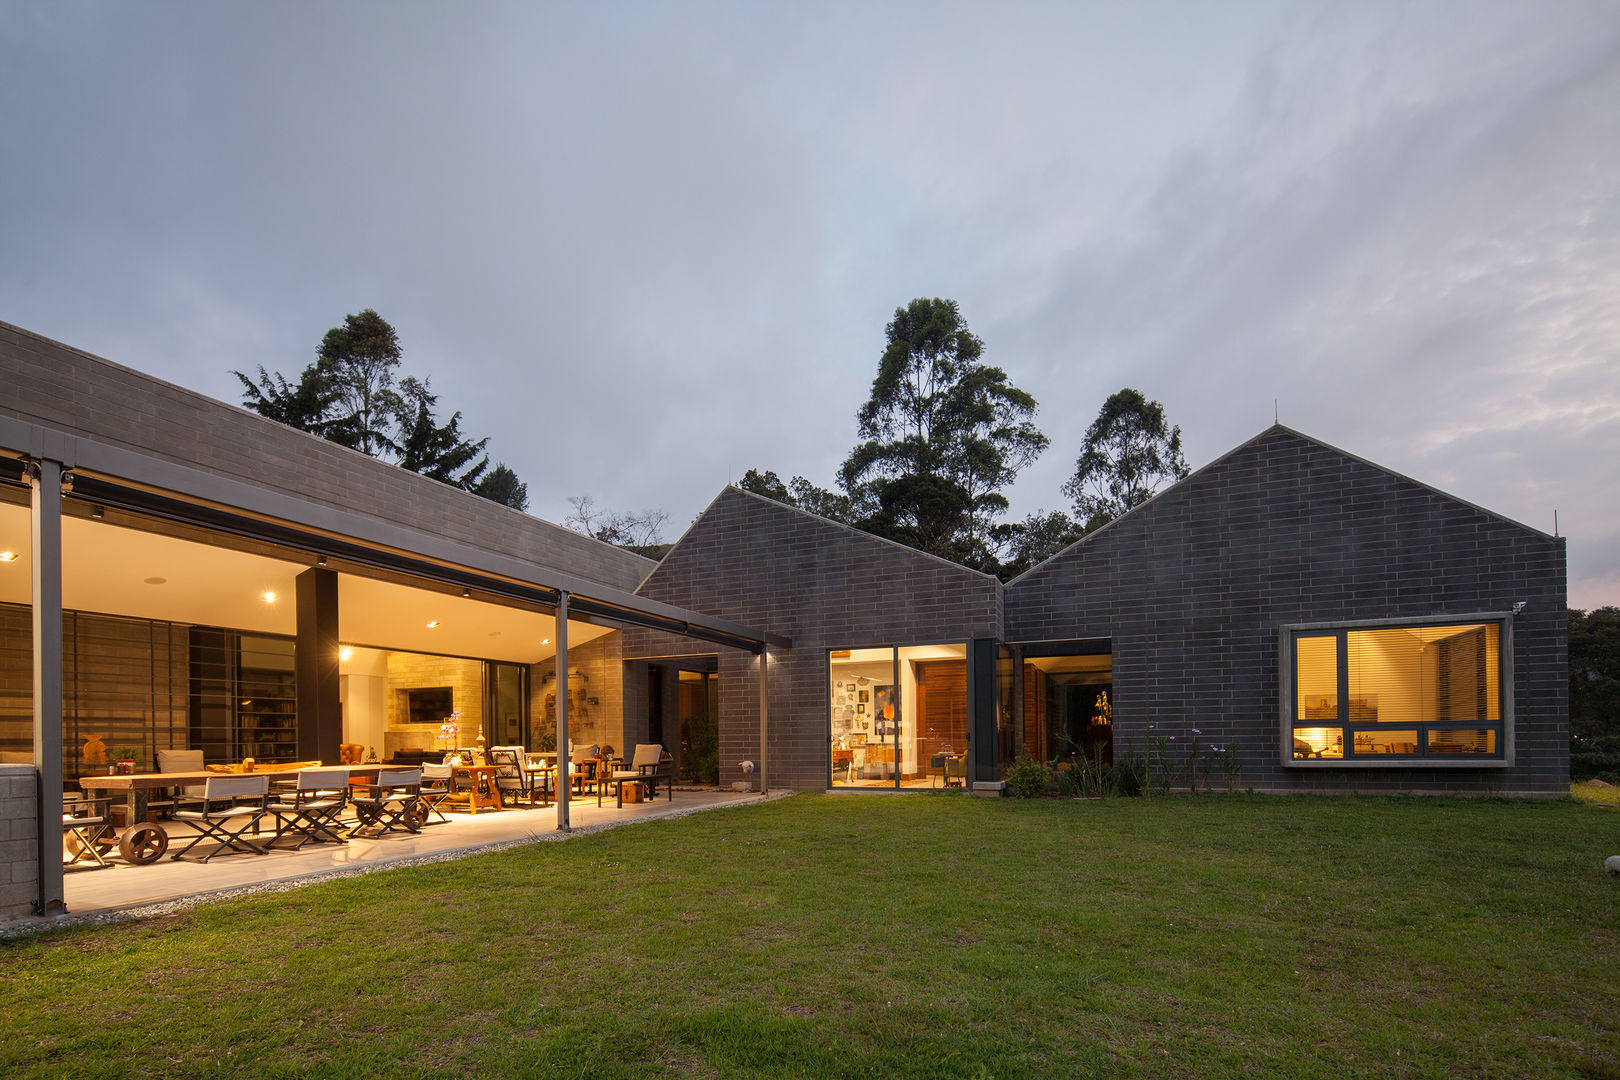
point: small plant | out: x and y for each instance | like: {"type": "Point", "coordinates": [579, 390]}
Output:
{"type": "Point", "coordinates": [126, 753]}
{"type": "Point", "coordinates": [1067, 786]}
{"type": "Point", "coordinates": [1161, 770]}
{"type": "Point", "coordinates": [1231, 764]}
{"type": "Point", "coordinates": [1028, 778]}
{"type": "Point", "coordinates": [1129, 775]}
{"type": "Point", "coordinates": [1200, 762]}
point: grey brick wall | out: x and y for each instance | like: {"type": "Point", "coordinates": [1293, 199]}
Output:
{"type": "Point", "coordinates": [59, 387]}
{"type": "Point", "coordinates": [19, 841]}
{"type": "Point", "coordinates": [770, 566]}
{"type": "Point", "coordinates": [1193, 586]}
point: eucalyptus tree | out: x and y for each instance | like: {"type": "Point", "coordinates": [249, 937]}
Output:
{"type": "Point", "coordinates": [1129, 452]}
{"type": "Point", "coordinates": [943, 434]}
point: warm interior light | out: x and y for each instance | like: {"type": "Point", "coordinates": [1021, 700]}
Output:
{"type": "Point", "coordinates": [545, 641]}
{"type": "Point", "coordinates": [269, 597]}
{"type": "Point", "coordinates": [432, 624]}
{"type": "Point", "coordinates": [8, 556]}
{"type": "Point", "coordinates": [345, 653]}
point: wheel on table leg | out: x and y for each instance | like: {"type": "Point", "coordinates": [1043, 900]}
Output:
{"type": "Point", "coordinates": [144, 843]}
{"type": "Point", "coordinates": [415, 815]}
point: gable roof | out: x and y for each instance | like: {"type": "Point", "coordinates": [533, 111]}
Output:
{"type": "Point", "coordinates": [1136, 512]}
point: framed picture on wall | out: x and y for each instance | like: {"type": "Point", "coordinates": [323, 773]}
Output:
{"type": "Point", "coordinates": [866, 695]}
{"type": "Point", "coordinates": [884, 702]}
{"type": "Point", "coordinates": [860, 708]}
{"type": "Point", "coordinates": [850, 687]}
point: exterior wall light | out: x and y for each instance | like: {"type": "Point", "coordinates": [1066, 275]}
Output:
{"type": "Point", "coordinates": [8, 556]}
{"type": "Point", "coordinates": [269, 597]}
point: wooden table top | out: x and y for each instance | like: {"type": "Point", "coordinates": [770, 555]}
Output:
{"type": "Point", "coordinates": [148, 781]}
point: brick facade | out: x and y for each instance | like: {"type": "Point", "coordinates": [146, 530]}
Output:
{"type": "Point", "coordinates": [826, 586]}
{"type": "Point", "coordinates": [19, 841]}
{"type": "Point", "coordinates": [1193, 586]}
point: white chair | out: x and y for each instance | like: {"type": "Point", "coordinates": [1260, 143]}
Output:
{"type": "Point", "coordinates": [434, 790]}
{"type": "Point", "coordinates": [393, 802]}
{"type": "Point", "coordinates": [168, 761]}
{"type": "Point", "coordinates": [311, 806]}
{"type": "Point", "coordinates": [228, 800]}
{"type": "Point", "coordinates": [646, 767]}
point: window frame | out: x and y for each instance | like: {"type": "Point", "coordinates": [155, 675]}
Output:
{"type": "Point", "coordinates": [1339, 628]}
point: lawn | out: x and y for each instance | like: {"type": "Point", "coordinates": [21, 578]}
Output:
{"type": "Point", "coordinates": [923, 935]}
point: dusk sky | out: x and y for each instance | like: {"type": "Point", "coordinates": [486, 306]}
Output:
{"type": "Point", "coordinates": [645, 247]}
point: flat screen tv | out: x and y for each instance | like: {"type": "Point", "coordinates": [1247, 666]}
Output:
{"type": "Point", "coordinates": [430, 704]}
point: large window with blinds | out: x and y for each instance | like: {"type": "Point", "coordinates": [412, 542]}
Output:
{"type": "Point", "coordinates": [1386, 693]}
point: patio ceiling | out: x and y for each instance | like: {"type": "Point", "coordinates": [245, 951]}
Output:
{"type": "Point", "coordinates": [115, 570]}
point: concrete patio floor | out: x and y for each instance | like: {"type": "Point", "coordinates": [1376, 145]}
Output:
{"type": "Point", "coordinates": [123, 887]}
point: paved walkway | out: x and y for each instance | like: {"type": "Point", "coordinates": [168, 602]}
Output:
{"type": "Point", "coordinates": [93, 892]}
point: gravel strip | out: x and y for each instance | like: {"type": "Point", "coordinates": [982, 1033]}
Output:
{"type": "Point", "coordinates": [35, 925]}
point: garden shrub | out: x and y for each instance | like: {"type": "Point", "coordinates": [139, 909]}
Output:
{"type": "Point", "coordinates": [1028, 778]}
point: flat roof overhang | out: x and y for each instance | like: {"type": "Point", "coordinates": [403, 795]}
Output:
{"type": "Point", "coordinates": [129, 480]}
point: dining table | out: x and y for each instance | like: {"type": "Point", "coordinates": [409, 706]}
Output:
{"type": "Point", "coordinates": [142, 840]}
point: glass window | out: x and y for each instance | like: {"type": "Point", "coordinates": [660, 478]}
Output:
{"type": "Point", "coordinates": [1397, 691]}
{"type": "Point", "coordinates": [898, 717]}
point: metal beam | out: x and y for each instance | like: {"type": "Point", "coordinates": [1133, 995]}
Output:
{"type": "Point", "coordinates": [109, 469]}
{"type": "Point", "coordinates": [45, 483]}
{"type": "Point", "coordinates": [764, 718]}
{"type": "Point", "coordinates": [561, 681]}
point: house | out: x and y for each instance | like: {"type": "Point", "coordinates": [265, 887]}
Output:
{"type": "Point", "coordinates": [204, 578]}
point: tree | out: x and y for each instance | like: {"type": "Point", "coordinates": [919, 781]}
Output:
{"type": "Point", "coordinates": [363, 354]}
{"type": "Point", "coordinates": [502, 485]}
{"type": "Point", "coordinates": [943, 434]}
{"type": "Point", "coordinates": [800, 493]}
{"type": "Point", "coordinates": [1128, 453]}
{"type": "Point", "coordinates": [1034, 540]}
{"type": "Point", "coordinates": [307, 406]}
{"type": "Point", "coordinates": [1594, 672]}
{"type": "Point", "coordinates": [432, 449]}
{"type": "Point", "coordinates": [631, 529]}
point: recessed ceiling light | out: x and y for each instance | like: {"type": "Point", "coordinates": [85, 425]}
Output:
{"type": "Point", "coordinates": [269, 597]}
{"type": "Point", "coordinates": [545, 641]}
{"type": "Point", "coordinates": [8, 556]}
{"type": "Point", "coordinates": [156, 580]}
{"type": "Point", "coordinates": [432, 624]}
{"type": "Point", "coordinates": [345, 653]}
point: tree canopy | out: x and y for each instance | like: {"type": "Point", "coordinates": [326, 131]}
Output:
{"type": "Point", "coordinates": [1128, 453]}
{"type": "Point", "coordinates": [350, 396]}
{"type": "Point", "coordinates": [434, 449]}
{"type": "Point", "coordinates": [943, 434]}
{"type": "Point", "coordinates": [1594, 671]}
{"type": "Point", "coordinates": [363, 354]}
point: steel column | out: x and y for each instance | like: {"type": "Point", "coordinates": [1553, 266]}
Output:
{"type": "Point", "coordinates": [562, 712]}
{"type": "Point", "coordinates": [764, 714]}
{"type": "Point", "coordinates": [45, 482]}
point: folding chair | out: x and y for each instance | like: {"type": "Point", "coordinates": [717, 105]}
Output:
{"type": "Point", "coordinates": [434, 790]}
{"type": "Point", "coordinates": [226, 800]}
{"type": "Point", "coordinates": [393, 803]}
{"type": "Point", "coordinates": [86, 825]}
{"type": "Point", "coordinates": [309, 808]}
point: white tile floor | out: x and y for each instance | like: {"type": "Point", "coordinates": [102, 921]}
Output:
{"type": "Point", "coordinates": [124, 886]}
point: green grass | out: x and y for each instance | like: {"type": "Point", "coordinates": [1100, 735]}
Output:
{"type": "Point", "coordinates": [937, 936]}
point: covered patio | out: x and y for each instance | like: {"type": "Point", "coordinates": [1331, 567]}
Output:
{"type": "Point", "coordinates": [124, 886]}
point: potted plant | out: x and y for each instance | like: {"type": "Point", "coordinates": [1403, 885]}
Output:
{"type": "Point", "coordinates": [125, 758]}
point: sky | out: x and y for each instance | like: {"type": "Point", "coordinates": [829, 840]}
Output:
{"type": "Point", "coordinates": [645, 247]}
